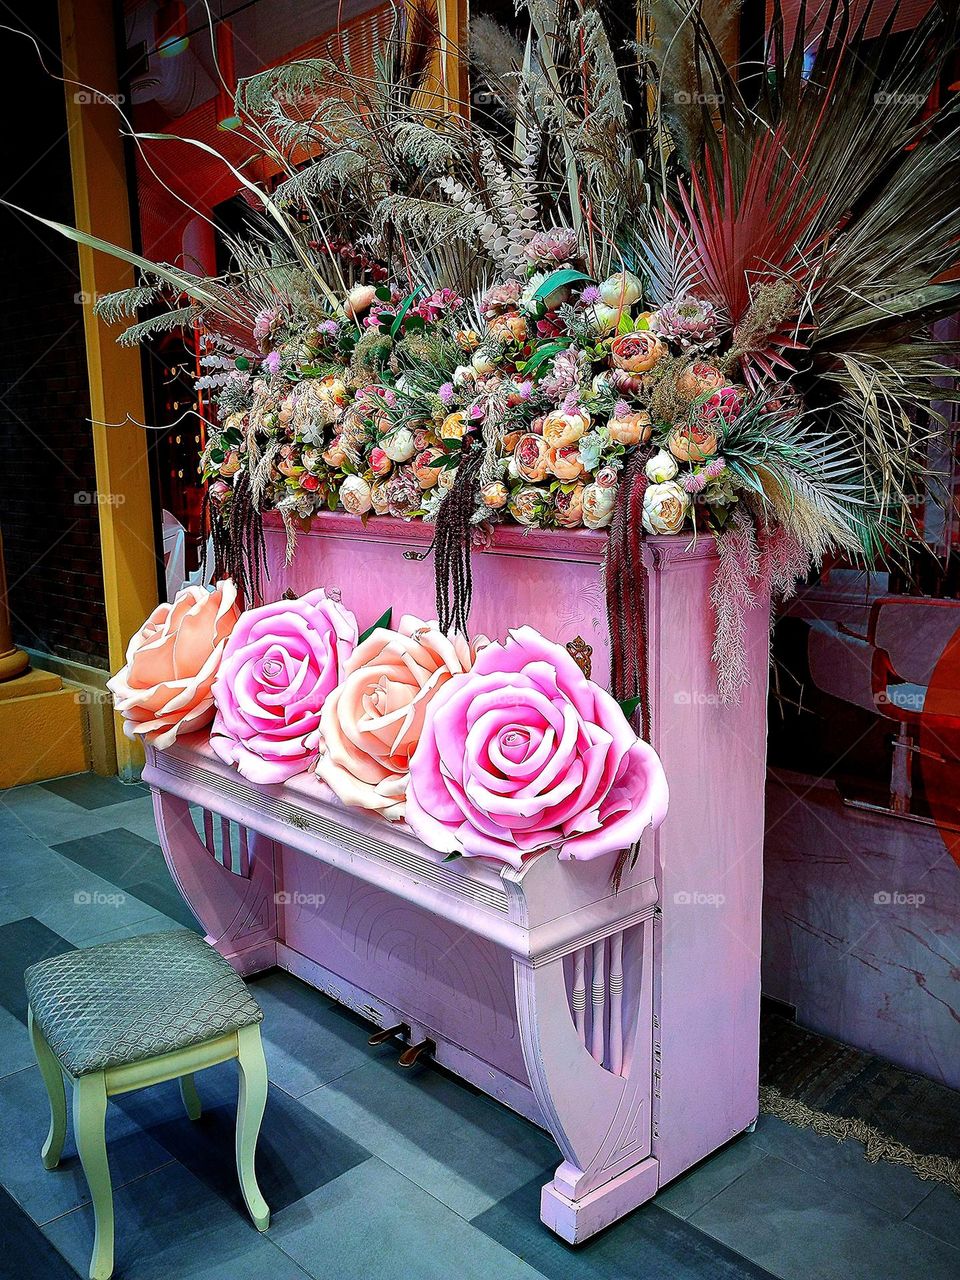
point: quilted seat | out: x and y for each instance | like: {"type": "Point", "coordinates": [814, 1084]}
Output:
{"type": "Point", "coordinates": [136, 998]}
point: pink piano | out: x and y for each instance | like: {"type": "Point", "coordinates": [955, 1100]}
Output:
{"type": "Point", "coordinates": [624, 1023]}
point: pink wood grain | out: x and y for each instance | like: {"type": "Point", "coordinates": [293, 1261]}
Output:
{"type": "Point", "coordinates": [626, 1023]}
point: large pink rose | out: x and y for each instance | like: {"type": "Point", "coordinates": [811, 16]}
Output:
{"type": "Point", "coordinates": [166, 688]}
{"type": "Point", "coordinates": [372, 721]}
{"type": "Point", "coordinates": [523, 754]}
{"type": "Point", "coordinates": [281, 663]}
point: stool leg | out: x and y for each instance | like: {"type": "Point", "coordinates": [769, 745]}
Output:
{"type": "Point", "coordinates": [89, 1114]}
{"type": "Point", "coordinates": [53, 1079]}
{"type": "Point", "coordinates": [252, 1069]}
{"type": "Point", "coordinates": [190, 1097]}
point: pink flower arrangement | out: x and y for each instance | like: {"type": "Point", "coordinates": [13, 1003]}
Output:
{"type": "Point", "coordinates": [166, 687]}
{"type": "Point", "coordinates": [371, 723]}
{"type": "Point", "coordinates": [280, 665]}
{"type": "Point", "coordinates": [523, 754]}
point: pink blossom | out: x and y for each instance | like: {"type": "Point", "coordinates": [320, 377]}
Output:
{"type": "Point", "coordinates": [621, 409]}
{"type": "Point", "coordinates": [715, 467]}
{"type": "Point", "coordinates": [272, 361]}
{"type": "Point", "coordinates": [524, 754]}
{"type": "Point", "coordinates": [263, 324]}
{"type": "Point", "coordinates": [590, 295]}
{"type": "Point", "coordinates": [279, 665]}
{"type": "Point", "coordinates": [446, 392]}
{"type": "Point", "coordinates": [725, 403]}
{"type": "Point", "coordinates": [694, 482]}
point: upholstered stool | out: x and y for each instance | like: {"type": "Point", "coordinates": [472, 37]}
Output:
{"type": "Point", "coordinates": [127, 1014]}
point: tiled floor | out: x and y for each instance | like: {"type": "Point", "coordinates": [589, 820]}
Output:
{"type": "Point", "coordinates": [369, 1170]}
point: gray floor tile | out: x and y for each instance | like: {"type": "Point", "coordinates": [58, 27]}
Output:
{"type": "Point", "coordinates": [374, 1222]}
{"type": "Point", "coordinates": [169, 1225]}
{"type": "Point", "coordinates": [891, 1187]}
{"type": "Point", "coordinates": [798, 1225]}
{"type": "Point", "coordinates": [466, 1151]}
{"type": "Point", "coordinates": [649, 1243]}
{"type": "Point", "coordinates": [690, 1192]}
{"type": "Point", "coordinates": [938, 1213]}
{"type": "Point", "coordinates": [50, 818]}
{"type": "Point", "coordinates": [310, 1042]}
{"type": "Point", "coordinates": [45, 1194]}
{"type": "Point", "coordinates": [91, 791]}
{"type": "Point", "coordinates": [297, 1151]}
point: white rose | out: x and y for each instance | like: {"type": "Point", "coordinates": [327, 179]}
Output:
{"type": "Point", "coordinates": [665, 507]}
{"type": "Point", "coordinates": [661, 466]}
{"type": "Point", "coordinates": [601, 318]}
{"type": "Point", "coordinates": [398, 445]}
{"type": "Point", "coordinates": [598, 506]}
{"type": "Point", "coordinates": [622, 289]}
{"type": "Point", "coordinates": [355, 495]}
{"type": "Point", "coordinates": [464, 375]}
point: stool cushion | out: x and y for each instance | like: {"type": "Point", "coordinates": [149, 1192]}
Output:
{"type": "Point", "coordinates": [136, 998]}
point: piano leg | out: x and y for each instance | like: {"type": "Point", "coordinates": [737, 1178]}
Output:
{"type": "Point", "coordinates": [228, 885]}
{"type": "Point", "coordinates": [591, 1071]}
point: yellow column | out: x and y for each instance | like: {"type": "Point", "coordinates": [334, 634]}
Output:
{"type": "Point", "coordinates": [453, 19]}
{"type": "Point", "coordinates": [116, 389]}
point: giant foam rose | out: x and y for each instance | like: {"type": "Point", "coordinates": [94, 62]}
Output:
{"type": "Point", "coordinates": [166, 687]}
{"type": "Point", "coordinates": [281, 663]}
{"type": "Point", "coordinates": [372, 721]}
{"type": "Point", "coordinates": [524, 753]}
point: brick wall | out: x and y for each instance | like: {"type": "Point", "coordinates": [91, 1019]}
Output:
{"type": "Point", "coordinates": [51, 539]}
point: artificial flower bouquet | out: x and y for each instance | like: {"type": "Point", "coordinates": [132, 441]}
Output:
{"type": "Point", "coordinates": [369, 407]}
{"type": "Point", "coordinates": [484, 749]}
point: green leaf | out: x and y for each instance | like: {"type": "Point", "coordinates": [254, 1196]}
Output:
{"type": "Point", "coordinates": [181, 281]}
{"type": "Point", "coordinates": [557, 280]}
{"type": "Point", "coordinates": [626, 324]}
{"type": "Point", "coordinates": [408, 302]}
{"type": "Point", "coordinates": [543, 353]}
{"type": "Point", "coordinates": [452, 857]}
{"type": "Point", "coordinates": [628, 706]}
{"type": "Point", "coordinates": [383, 293]}
{"type": "Point", "coordinates": [382, 621]}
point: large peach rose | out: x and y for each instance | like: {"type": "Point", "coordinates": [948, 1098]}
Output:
{"type": "Point", "coordinates": [637, 352]}
{"type": "Point", "coordinates": [371, 723]}
{"type": "Point", "coordinates": [166, 688]}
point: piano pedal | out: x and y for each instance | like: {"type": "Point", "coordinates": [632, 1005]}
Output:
{"type": "Point", "coordinates": [413, 1052]}
{"type": "Point", "coordinates": [387, 1033]}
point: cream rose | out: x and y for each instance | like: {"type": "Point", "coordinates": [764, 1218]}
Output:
{"type": "Point", "coordinates": [526, 504]}
{"type": "Point", "coordinates": [371, 723]}
{"type": "Point", "coordinates": [621, 290]}
{"type": "Point", "coordinates": [665, 507]}
{"type": "Point", "coordinates": [661, 466]}
{"type": "Point", "coordinates": [399, 445]}
{"type": "Point", "coordinates": [166, 687]}
{"type": "Point", "coordinates": [355, 496]}
{"type": "Point", "coordinates": [598, 503]}
{"type": "Point", "coordinates": [561, 428]}
{"type": "Point", "coordinates": [495, 495]}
